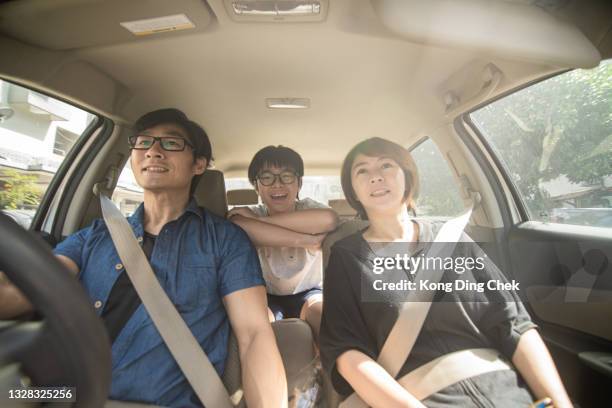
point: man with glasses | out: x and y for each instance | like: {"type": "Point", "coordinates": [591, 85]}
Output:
{"type": "Point", "coordinates": [288, 233]}
{"type": "Point", "coordinates": [206, 265]}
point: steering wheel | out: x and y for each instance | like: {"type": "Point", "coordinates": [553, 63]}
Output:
{"type": "Point", "coordinates": [70, 346]}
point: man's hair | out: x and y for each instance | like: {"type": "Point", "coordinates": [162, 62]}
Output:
{"type": "Point", "coordinates": [378, 147]}
{"type": "Point", "coordinates": [278, 156]}
{"type": "Point", "coordinates": [194, 132]}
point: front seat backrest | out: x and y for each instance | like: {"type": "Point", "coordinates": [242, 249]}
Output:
{"type": "Point", "coordinates": [210, 192]}
{"type": "Point", "coordinates": [295, 344]}
{"type": "Point", "coordinates": [243, 196]}
{"type": "Point", "coordinates": [343, 209]}
{"type": "Point", "coordinates": [345, 229]}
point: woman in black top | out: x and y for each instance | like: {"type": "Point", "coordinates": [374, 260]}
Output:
{"type": "Point", "coordinates": [380, 181]}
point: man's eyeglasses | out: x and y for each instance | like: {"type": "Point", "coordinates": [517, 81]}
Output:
{"type": "Point", "coordinates": [170, 144]}
{"type": "Point", "coordinates": [268, 178]}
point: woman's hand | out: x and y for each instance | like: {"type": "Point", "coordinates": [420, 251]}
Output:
{"type": "Point", "coordinates": [535, 364]}
{"type": "Point", "coordinates": [372, 383]}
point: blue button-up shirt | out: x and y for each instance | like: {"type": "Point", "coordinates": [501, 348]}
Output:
{"type": "Point", "coordinates": [198, 259]}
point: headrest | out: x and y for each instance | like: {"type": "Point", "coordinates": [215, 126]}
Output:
{"type": "Point", "coordinates": [210, 192]}
{"type": "Point", "coordinates": [243, 196]}
{"type": "Point", "coordinates": [342, 208]}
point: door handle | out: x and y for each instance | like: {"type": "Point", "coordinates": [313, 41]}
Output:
{"type": "Point", "coordinates": [599, 361]}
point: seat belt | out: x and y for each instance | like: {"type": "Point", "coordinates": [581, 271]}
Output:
{"type": "Point", "coordinates": [447, 369]}
{"type": "Point", "coordinates": [183, 346]}
{"type": "Point", "coordinates": [451, 368]}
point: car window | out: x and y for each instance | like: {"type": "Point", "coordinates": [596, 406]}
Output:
{"type": "Point", "coordinates": [36, 134]}
{"type": "Point", "coordinates": [127, 195]}
{"type": "Point", "coordinates": [319, 188]}
{"type": "Point", "coordinates": [439, 195]}
{"type": "Point", "coordinates": [554, 139]}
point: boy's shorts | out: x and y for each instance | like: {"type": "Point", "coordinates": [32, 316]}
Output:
{"type": "Point", "coordinates": [287, 306]}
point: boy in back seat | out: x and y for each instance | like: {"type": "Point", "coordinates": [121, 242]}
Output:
{"type": "Point", "coordinates": [288, 233]}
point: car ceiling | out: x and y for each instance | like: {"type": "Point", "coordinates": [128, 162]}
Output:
{"type": "Point", "coordinates": [363, 75]}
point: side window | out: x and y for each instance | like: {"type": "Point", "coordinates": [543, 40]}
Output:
{"type": "Point", "coordinates": [555, 141]}
{"type": "Point", "coordinates": [322, 188]}
{"type": "Point", "coordinates": [319, 188]}
{"type": "Point", "coordinates": [36, 134]}
{"type": "Point", "coordinates": [439, 196]}
{"type": "Point", "coordinates": [127, 195]}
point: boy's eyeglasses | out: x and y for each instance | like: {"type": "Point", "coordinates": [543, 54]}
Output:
{"type": "Point", "coordinates": [170, 144]}
{"type": "Point", "coordinates": [268, 178]}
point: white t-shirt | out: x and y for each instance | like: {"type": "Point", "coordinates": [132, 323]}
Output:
{"type": "Point", "coordinates": [290, 270]}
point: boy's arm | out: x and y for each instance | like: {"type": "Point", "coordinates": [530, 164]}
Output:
{"type": "Point", "coordinates": [263, 374]}
{"type": "Point", "coordinates": [309, 221]}
{"type": "Point", "coordinates": [266, 234]}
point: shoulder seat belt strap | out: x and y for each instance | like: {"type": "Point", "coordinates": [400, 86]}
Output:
{"type": "Point", "coordinates": [182, 344]}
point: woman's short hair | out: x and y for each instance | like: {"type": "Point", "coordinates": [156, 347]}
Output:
{"type": "Point", "coordinates": [378, 147]}
{"type": "Point", "coordinates": [278, 156]}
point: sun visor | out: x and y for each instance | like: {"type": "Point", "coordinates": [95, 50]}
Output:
{"type": "Point", "coordinates": [513, 29]}
{"type": "Point", "coordinates": [71, 24]}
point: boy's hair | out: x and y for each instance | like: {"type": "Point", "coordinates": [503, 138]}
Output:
{"type": "Point", "coordinates": [278, 156]}
{"type": "Point", "coordinates": [378, 147]}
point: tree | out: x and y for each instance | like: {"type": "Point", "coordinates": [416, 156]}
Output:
{"type": "Point", "coordinates": [559, 127]}
{"type": "Point", "coordinates": [439, 194]}
{"type": "Point", "coordinates": [19, 191]}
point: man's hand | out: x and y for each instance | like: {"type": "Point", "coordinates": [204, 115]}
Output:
{"type": "Point", "coordinates": [12, 302]}
{"type": "Point", "coordinates": [263, 374]}
{"type": "Point", "coordinates": [244, 211]}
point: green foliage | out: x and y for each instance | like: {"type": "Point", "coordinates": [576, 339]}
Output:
{"type": "Point", "coordinates": [439, 195]}
{"type": "Point", "coordinates": [19, 191]}
{"type": "Point", "coordinates": [561, 126]}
